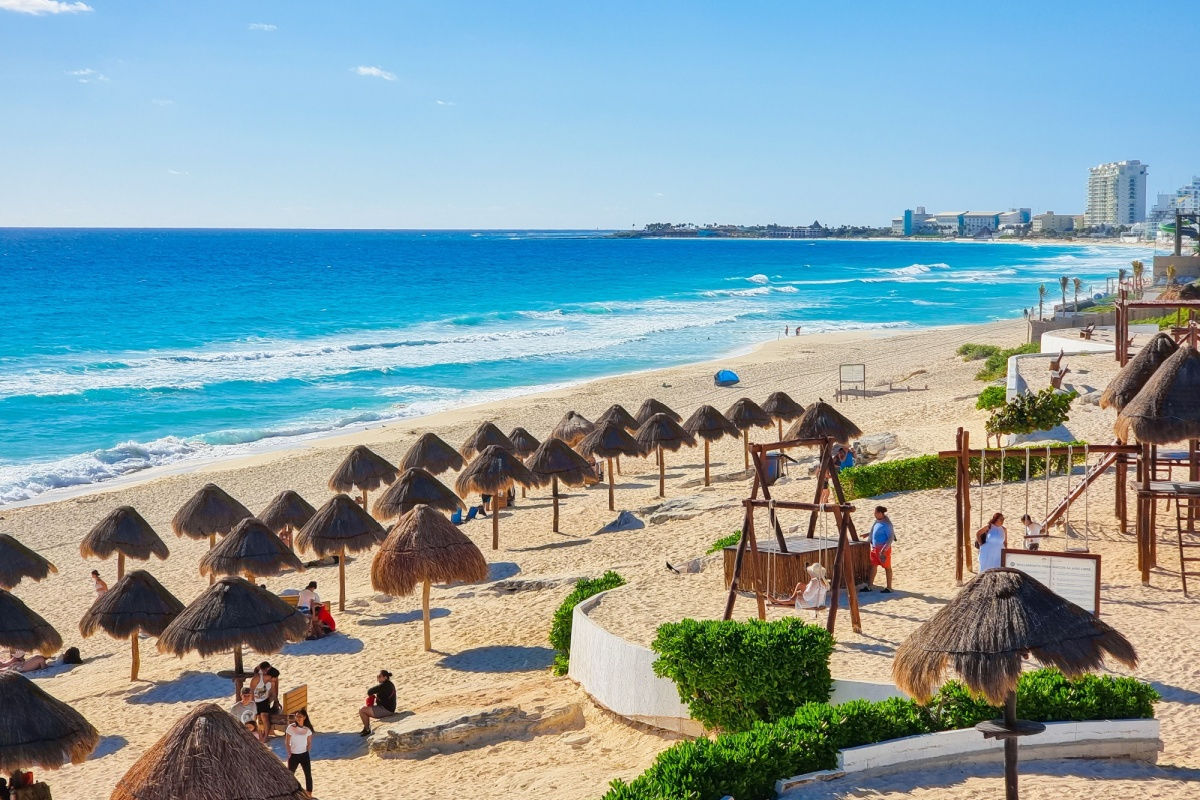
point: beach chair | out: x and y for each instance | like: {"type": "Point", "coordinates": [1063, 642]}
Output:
{"type": "Point", "coordinates": [290, 599]}
{"type": "Point", "coordinates": [457, 516]}
{"type": "Point", "coordinates": [292, 701]}
{"type": "Point", "coordinates": [1056, 362]}
{"type": "Point", "coordinates": [1087, 331]}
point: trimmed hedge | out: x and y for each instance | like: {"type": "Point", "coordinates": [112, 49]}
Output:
{"type": "Point", "coordinates": [747, 764]}
{"type": "Point", "coordinates": [976, 352]}
{"type": "Point", "coordinates": [724, 541]}
{"type": "Point", "coordinates": [560, 629]}
{"type": "Point", "coordinates": [735, 674]}
{"type": "Point", "coordinates": [991, 397]}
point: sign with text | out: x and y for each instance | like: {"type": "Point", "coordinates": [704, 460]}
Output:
{"type": "Point", "coordinates": [1071, 576]}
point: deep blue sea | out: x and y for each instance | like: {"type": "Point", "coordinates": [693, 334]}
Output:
{"type": "Point", "coordinates": [125, 349]}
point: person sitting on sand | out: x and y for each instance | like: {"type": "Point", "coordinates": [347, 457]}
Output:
{"type": "Point", "coordinates": [381, 702]}
{"type": "Point", "coordinates": [98, 583]}
{"type": "Point", "coordinates": [264, 688]}
{"type": "Point", "coordinates": [18, 662]}
{"type": "Point", "coordinates": [246, 710]}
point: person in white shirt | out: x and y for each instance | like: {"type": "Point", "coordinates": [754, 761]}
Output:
{"type": "Point", "coordinates": [1033, 533]}
{"type": "Point", "coordinates": [308, 597]}
{"type": "Point", "coordinates": [297, 740]}
{"type": "Point", "coordinates": [246, 710]}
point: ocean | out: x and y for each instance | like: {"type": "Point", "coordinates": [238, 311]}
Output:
{"type": "Point", "coordinates": [127, 349]}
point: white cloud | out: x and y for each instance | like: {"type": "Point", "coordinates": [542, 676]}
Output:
{"type": "Point", "coordinates": [256, 26]}
{"type": "Point", "coordinates": [86, 75]}
{"type": "Point", "coordinates": [445, 102]}
{"type": "Point", "coordinates": [369, 72]}
{"type": "Point", "coordinates": [39, 7]}
{"type": "Point", "coordinates": [178, 172]}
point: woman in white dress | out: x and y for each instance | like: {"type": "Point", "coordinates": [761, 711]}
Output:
{"type": "Point", "coordinates": [991, 539]}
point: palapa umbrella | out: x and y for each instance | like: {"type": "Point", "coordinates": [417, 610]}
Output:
{"type": "Point", "coordinates": [782, 408]}
{"type": "Point", "coordinates": [124, 532]}
{"type": "Point", "coordinates": [524, 443]}
{"type": "Point", "coordinates": [660, 433]}
{"type": "Point", "coordinates": [572, 428]}
{"type": "Point", "coordinates": [556, 462]}
{"type": "Point", "coordinates": [1167, 409]}
{"type": "Point", "coordinates": [208, 513]}
{"type": "Point", "coordinates": [338, 527]}
{"type": "Point", "coordinates": [208, 755]}
{"type": "Point", "coordinates": [231, 614]}
{"type": "Point", "coordinates": [494, 471]}
{"type": "Point", "coordinates": [820, 421]}
{"type": "Point", "coordinates": [18, 561]}
{"type": "Point", "coordinates": [253, 550]}
{"type": "Point", "coordinates": [651, 407]}
{"type": "Point", "coordinates": [746, 414]}
{"type": "Point", "coordinates": [1137, 372]}
{"type": "Point", "coordinates": [37, 730]}
{"type": "Point", "coordinates": [136, 604]}
{"type": "Point", "coordinates": [362, 469]}
{"type": "Point", "coordinates": [709, 425]}
{"type": "Point", "coordinates": [22, 628]}
{"type": "Point", "coordinates": [617, 413]}
{"type": "Point", "coordinates": [424, 548]}
{"type": "Point", "coordinates": [984, 632]}
{"type": "Point", "coordinates": [287, 514]}
{"type": "Point", "coordinates": [432, 454]}
{"type": "Point", "coordinates": [415, 487]}
{"type": "Point", "coordinates": [484, 437]}
{"type": "Point", "coordinates": [608, 441]}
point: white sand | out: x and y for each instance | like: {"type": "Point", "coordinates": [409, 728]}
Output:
{"type": "Point", "coordinates": [492, 648]}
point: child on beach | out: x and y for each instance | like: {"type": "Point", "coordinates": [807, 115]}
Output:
{"type": "Point", "coordinates": [1033, 533]}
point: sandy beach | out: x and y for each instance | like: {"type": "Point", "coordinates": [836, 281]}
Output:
{"type": "Point", "coordinates": [490, 647]}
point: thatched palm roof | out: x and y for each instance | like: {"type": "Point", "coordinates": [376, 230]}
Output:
{"type": "Point", "coordinates": [607, 441]}
{"type": "Point", "coordinates": [485, 436]}
{"type": "Point", "coordinates": [986, 629]}
{"type": "Point", "coordinates": [493, 471]}
{"type": "Point", "coordinates": [135, 604]}
{"type": "Point", "coordinates": [230, 614]}
{"type": "Point", "coordinates": [250, 549]}
{"type": "Point", "coordinates": [209, 512]}
{"type": "Point", "coordinates": [780, 406]}
{"type": "Point", "coordinates": [123, 531]}
{"type": "Point", "coordinates": [617, 413]}
{"type": "Point", "coordinates": [572, 428]}
{"type": "Point", "coordinates": [556, 460]}
{"type": "Point", "coordinates": [24, 629]}
{"type": "Point", "coordinates": [433, 454]}
{"type": "Point", "coordinates": [425, 546]}
{"type": "Point", "coordinates": [38, 731]}
{"type": "Point", "coordinates": [821, 420]}
{"type": "Point", "coordinates": [1167, 409]}
{"type": "Point", "coordinates": [208, 755]}
{"type": "Point", "coordinates": [287, 510]}
{"type": "Point", "coordinates": [651, 407]}
{"type": "Point", "coordinates": [18, 561]}
{"type": "Point", "coordinates": [524, 442]}
{"type": "Point", "coordinates": [1137, 371]}
{"type": "Point", "coordinates": [746, 414]}
{"type": "Point", "coordinates": [710, 424]}
{"type": "Point", "coordinates": [362, 469]}
{"type": "Point", "coordinates": [340, 523]}
{"type": "Point", "coordinates": [662, 431]}
{"type": "Point", "coordinates": [415, 487]}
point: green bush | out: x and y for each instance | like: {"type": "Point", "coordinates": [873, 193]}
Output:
{"type": "Point", "coordinates": [734, 674]}
{"type": "Point", "coordinates": [747, 764]}
{"type": "Point", "coordinates": [975, 352]}
{"type": "Point", "coordinates": [1029, 412]}
{"type": "Point", "coordinates": [560, 629]}
{"type": "Point", "coordinates": [991, 397]}
{"type": "Point", "coordinates": [724, 541]}
{"type": "Point", "coordinates": [996, 365]}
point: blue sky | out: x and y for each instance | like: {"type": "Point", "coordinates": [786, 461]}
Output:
{"type": "Point", "coordinates": [576, 115]}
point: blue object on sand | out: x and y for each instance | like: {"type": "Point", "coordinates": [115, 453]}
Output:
{"type": "Point", "coordinates": [726, 377]}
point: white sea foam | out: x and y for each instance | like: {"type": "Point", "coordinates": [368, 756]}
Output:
{"type": "Point", "coordinates": [759, 278]}
{"type": "Point", "coordinates": [917, 269]}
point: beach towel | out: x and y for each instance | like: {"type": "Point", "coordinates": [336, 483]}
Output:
{"type": "Point", "coordinates": [625, 521]}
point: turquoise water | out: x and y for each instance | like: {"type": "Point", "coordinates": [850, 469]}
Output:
{"type": "Point", "coordinates": [129, 349]}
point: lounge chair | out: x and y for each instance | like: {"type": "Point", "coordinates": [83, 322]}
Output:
{"type": "Point", "coordinates": [292, 701]}
{"type": "Point", "coordinates": [1086, 332]}
{"type": "Point", "coordinates": [1056, 377]}
{"type": "Point", "coordinates": [1056, 362]}
{"type": "Point", "coordinates": [457, 517]}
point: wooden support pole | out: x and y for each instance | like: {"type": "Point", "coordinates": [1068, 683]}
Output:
{"type": "Point", "coordinates": [342, 580]}
{"type": "Point", "coordinates": [120, 565]}
{"type": "Point", "coordinates": [496, 522]}
{"type": "Point", "coordinates": [662, 473]}
{"type": "Point", "coordinates": [554, 491]}
{"type": "Point", "coordinates": [1145, 517]}
{"type": "Point", "coordinates": [425, 613]}
{"type": "Point", "coordinates": [738, 559]}
{"type": "Point", "coordinates": [759, 572]}
{"type": "Point", "coordinates": [610, 484]}
{"type": "Point", "coordinates": [822, 476]}
{"type": "Point", "coordinates": [959, 536]}
{"type": "Point", "coordinates": [137, 657]}
{"type": "Point", "coordinates": [966, 492]}
{"type": "Point", "coordinates": [760, 479]}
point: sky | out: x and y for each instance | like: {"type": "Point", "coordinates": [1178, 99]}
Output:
{"type": "Point", "coordinates": [576, 115]}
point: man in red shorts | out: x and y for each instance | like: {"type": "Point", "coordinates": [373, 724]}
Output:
{"type": "Point", "coordinates": [882, 536]}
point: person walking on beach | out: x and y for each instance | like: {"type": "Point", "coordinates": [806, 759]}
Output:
{"type": "Point", "coordinates": [98, 583]}
{"type": "Point", "coordinates": [297, 741]}
{"type": "Point", "coordinates": [381, 702]}
{"type": "Point", "coordinates": [991, 539]}
{"type": "Point", "coordinates": [883, 534]}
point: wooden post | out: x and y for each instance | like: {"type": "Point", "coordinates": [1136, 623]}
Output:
{"type": "Point", "coordinates": [496, 521]}
{"type": "Point", "coordinates": [364, 501]}
{"type": "Point", "coordinates": [120, 565]}
{"type": "Point", "coordinates": [662, 473]}
{"type": "Point", "coordinates": [840, 496]}
{"type": "Point", "coordinates": [737, 564]}
{"type": "Point", "coordinates": [1145, 503]}
{"type": "Point", "coordinates": [707, 481]}
{"type": "Point", "coordinates": [212, 542]}
{"type": "Point", "coordinates": [959, 536]}
{"type": "Point", "coordinates": [137, 659]}
{"type": "Point", "coordinates": [611, 507]}
{"type": "Point", "coordinates": [554, 491]}
{"type": "Point", "coordinates": [967, 543]}
{"type": "Point", "coordinates": [759, 573]}
{"type": "Point", "coordinates": [618, 463]}
{"type": "Point", "coordinates": [1010, 748]}
{"type": "Point", "coordinates": [425, 613]}
{"type": "Point", "coordinates": [837, 579]}
{"type": "Point", "coordinates": [746, 446]}
{"type": "Point", "coordinates": [1121, 499]}
{"type": "Point", "coordinates": [342, 580]}
{"type": "Point", "coordinates": [760, 479]}
{"type": "Point", "coordinates": [822, 474]}
{"type": "Point", "coordinates": [238, 671]}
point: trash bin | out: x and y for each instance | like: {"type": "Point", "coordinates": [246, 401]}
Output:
{"type": "Point", "coordinates": [774, 466]}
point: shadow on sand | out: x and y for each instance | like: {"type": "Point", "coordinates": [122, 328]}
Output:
{"type": "Point", "coordinates": [500, 658]}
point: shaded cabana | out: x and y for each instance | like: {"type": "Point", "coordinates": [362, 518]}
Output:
{"type": "Point", "coordinates": [208, 755]}
{"type": "Point", "coordinates": [124, 532]}
{"type": "Point", "coordinates": [134, 605]}
{"type": "Point", "coordinates": [987, 630]}
{"type": "Point", "coordinates": [572, 428]}
{"type": "Point", "coordinates": [209, 513]}
{"type": "Point", "coordinates": [340, 526]}
{"type": "Point", "coordinates": [660, 433]}
{"type": "Point", "coordinates": [251, 549]}
{"type": "Point", "coordinates": [433, 454]}
{"type": "Point", "coordinates": [555, 462]}
{"type": "Point", "coordinates": [494, 471]}
{"type": "Point", "coordinates": [609, 441]}
{"type": "Point", "coordinates": [651, 407]}
{"type": "Point", "coordinates": [22, 628]}
{"type": "Point", "coordinates": [18, 562]}
{"type": "Point", "coordinates": [362, 469]}
{"type": "Point", "coordinates": [782, 408]}
{"type": "Point", "coordinates": [617, 413]}
{"type": "Point", "coordinates": [1137, 372]}
{"type": "Point", "coordinates": [287, 513]}
{"type": "Point", "coordinates": [820, 421]}
{"type": "Point", "coordinates": [36, 730]}
{"type": "Point", "coordinates": [524, 442]}
{"type": "Point", "coordinates": [415, 487]}
{"type": "Point", "coordinates": [485, 436]}
{"type": "Point", "coordinates": [231, 614]}
{"type": "Point", "coordinates": [746, 414]}
{"type": "Point", "coordinates": [709, 424]}
{"type": "Point", "coordinates": [424, 548]}
{"type": "Point", "coordinates": [1167, 409]}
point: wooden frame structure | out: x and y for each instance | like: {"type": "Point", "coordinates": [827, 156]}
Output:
{"type": "Point", "coordinates": [1124, 306]}
{"type": "Point", "coordinates": [842, 574]}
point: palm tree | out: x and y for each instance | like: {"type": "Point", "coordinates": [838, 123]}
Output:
{"type": "Point", "coordinates": [1062, 284]}
{"type": "Point", "coordinates": [1171, 273]}
{"type": "Point", "coordinates": [1078, 285]}
{"type": "Point", "coordinates": [1041, 299]}
{"type": "Point", "coordinates": [1138, 269]}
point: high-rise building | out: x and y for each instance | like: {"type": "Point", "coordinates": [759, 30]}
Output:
{"type": "Point", "coordinates": [1116, 194]}
{"type": "Point", "coordinates": [1186, 199]}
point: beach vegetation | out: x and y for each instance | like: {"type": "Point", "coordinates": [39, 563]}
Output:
{"type": "Point", "coordinates": [723, 542]}
{"type": "Point", "coordinates": [560, 628]}
{"type": "Point", "coordinates": [991, 397]}
{"type": "Point", "coordinates": [1031, 412]}
{"type": "Point", "coordinates": [995, 367]}
{"type": "Point", "coordinates": [733, 675]}
{"type": "Point", "coordinates": [971, 351]}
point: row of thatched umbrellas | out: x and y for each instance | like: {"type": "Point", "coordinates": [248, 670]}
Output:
{"type": "Point", "coordinates": [1157, 393]}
